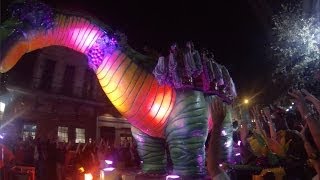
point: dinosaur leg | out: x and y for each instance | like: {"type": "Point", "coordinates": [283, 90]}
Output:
{"type": "Point", "coordinates": [152, 152]}
{"type": "Point", "coordinates": [186, 133]}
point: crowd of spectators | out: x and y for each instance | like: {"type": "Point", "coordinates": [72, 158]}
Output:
{"type": "Point", "coordinates": [59, 160]}
{"type": "Point", "coordinates": [274, 142]}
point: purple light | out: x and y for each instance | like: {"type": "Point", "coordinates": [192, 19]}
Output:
{"type": "Point", "coordinates": [108, 169]}
{"type": "Point", "coordinates": [108, 162]}
{"type": "Point", "coordinates": [238, 154]}
{"type": "Point", "coordinates": [1, 137]}
{"type": "Point", "coordinates": [172, 177]}
{"type": "Point", "coordinates": [239, 143]}
{"type": "Point", "coordinates": [224, 133]}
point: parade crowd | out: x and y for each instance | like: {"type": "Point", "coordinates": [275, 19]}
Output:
{"type": "Point", "coordinates": [279, 144]}
{"type": "Point", "coordinates": [272, 143]}
{"type": "Point", "coordinates": [59, 161]}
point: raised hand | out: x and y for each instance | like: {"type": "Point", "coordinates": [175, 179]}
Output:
{"type": "Point", "coordinates": [277, 147]}
{"type": "Point", "coordinates": [303, 131]}
{"type": "Point", "coordinates": [256, 115]}
{"type": "Point", "coordinates": [312, 99]}
{"type": "Point", "coordinates": [218, 112]}
{"type": "Point", "coordinates": [313, 124]}
{"type": "Point", "coordinates": [243, 132]}
{"type": "Point", "coordinates": [299, 101]}
{"type": "Point", "coordinates": [266, 112]}
{"type": "Point", "coordinates": [273, 131]}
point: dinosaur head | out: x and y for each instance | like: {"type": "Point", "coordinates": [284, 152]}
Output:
{"type": "Point", "coordinates": [25, 18]}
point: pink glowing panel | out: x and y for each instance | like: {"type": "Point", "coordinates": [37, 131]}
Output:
{"type": "Point", "coordinates": [83, 38]}
{"type": "Point", "coordinates": [108, 169]}
{"type": "Point", "coordinates": [108, 162]}
{"type": "Point", "coordinates": [238, 154]}
{"type": "Point", "coordinates": [172, 177]}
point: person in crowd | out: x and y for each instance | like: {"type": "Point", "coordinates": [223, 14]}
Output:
{"type": "Point", "coordinates": [51, 159]}
{"type": "Point", "coordinates": [60, 153]}
{"type": "Point", "coordinates": [312, 124]}
{"type": "Point", "coordinates": [218, 113]}
{"type": "Point", "coordinates": [19, 152]}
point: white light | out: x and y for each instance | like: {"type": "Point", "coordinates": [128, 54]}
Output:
{"type": "Point", "coordinates": [239, 143]}
{"type": "Point", "coordinates": [88, 176]}
{"type": "Point", "coordinates": [292, 103]}
{"type": "Point", "coordinates": [223, 132]}
{"type": "Point", "coordinates": [108, 169]}
{"type": "Point", "coordinates": [287, 110]}
{"type": "Point", "coordinates": [238, 154]}
{"type": "Point", "coordinates": [228, 143]}
{"type": "Point", "coordinates": [108, 162]}
{"type": "Point", "coordinates": [2, 106]}
{"type": "Point", "coordinates": [290, 107]}
{"type": "Point", "coordinates": [172, 177]}
{"type": "Point", "coordinates": [220, 165]}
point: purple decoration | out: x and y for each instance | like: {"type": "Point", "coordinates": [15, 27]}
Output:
{"type": "Point", "coordinates": [226, 79]}
{"type": "Point", "coordinates": [33, 13]}
{"type": "Point", "coordinates": [173, 68]}
{"type": "Point", "coordinates": [208, 73]}
{"type": "Point", "coordinates": [217, 74]}
{"type": "Point", "coordinates": [197, 60]}
{"type": "Point", "coordinates": [192, 61]}
{"type": "Point", "coordinates": [184, 70]}
{"type": "Point", "coordinates": [103, 47]}
{"type": "Point", "coordinates": [161, 71]}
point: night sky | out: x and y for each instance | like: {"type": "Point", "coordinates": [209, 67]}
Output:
{"type": "Point", "coordinates": [229, 28]}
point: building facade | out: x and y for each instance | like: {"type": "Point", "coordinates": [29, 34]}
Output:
{"type": "Point", "coordinates": [52, 93]}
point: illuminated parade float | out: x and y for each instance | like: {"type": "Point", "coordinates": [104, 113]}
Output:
{"type": "Point", "coordinates": [165, 105]}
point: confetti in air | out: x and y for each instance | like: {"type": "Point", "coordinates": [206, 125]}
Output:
{"type": "Point", "coordinates": [297, 46]}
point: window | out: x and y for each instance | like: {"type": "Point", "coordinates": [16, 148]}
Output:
{"type": "Point", "coordinates": [29, 131]}
{"type": "Point", "coordinates": [47, 74]}
{"type": "Point", "coordinates": [68, 80]}
{"type": "Point", "coordinates": [63, 134]}
{"type": "Point", "coordinates": [88, 84]}
{"type": "Point", "coordinates": [80, 135]}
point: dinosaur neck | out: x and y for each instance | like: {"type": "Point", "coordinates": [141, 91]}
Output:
{"type": "Point", "coordinates": [136, 93]}
{"type": "Point", "coordinates": [132, 90]}
{"type": "Point", "coordinates": [74, 32]}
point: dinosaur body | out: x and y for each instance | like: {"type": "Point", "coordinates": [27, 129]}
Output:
{"type": "Point", "coordinates": [159, 114]}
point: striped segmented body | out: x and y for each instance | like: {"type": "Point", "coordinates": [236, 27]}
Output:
{"type": "Point", "coordinates": [132, 90]}
{"type": "Point", "coordinates": [159, 113]}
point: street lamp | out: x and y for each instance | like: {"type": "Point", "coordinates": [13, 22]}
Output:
{"type": "Point", "coordinates": [246, 101]}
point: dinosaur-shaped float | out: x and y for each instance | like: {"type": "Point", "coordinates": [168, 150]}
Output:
{"type": "Point", "coordinates": [160, 113]}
